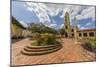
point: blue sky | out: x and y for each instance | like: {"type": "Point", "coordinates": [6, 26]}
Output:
{"type": "Point", "coordinates": [52, 15]}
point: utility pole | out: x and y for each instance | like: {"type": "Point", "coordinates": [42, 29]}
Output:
{"type": "Point", "coordinates": [75, 30]}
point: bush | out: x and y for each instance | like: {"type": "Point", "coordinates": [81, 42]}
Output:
{"type": "Point", "coordinates": [90, 44]}
{"type": "Point", "coordinates": [45, 39]}
{"type": "Point", "coordinates": [35, 36]}
{"type": "Point", "coordinates": [35, 43]}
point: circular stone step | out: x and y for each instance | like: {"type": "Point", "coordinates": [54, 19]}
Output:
{"type": "Point", "coordinates": [42, 49]}
{"type": "Point", "coordinates": [25, 52]}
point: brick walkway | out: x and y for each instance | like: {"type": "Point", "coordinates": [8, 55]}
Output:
{"type": "Point", "coordinates": [69, 53]}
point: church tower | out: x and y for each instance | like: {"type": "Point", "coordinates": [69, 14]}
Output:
{"type": "Point", "coordinates": [67, 24]}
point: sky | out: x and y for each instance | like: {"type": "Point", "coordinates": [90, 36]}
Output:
{"type": "Point", "coordinates": [52, 15]}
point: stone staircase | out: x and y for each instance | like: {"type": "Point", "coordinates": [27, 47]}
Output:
{"type": "Point", "coordinates": [40, 50]}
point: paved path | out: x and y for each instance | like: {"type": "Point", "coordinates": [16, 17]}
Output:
{"type": "Point", "coordinates": [69, 53]}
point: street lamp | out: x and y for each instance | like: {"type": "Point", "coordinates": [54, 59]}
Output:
{"type": "Point", "coordinates": [75, 30]}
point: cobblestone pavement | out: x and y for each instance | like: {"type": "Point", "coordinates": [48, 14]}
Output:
{"type": "Point", "coordinates": [68, 53]}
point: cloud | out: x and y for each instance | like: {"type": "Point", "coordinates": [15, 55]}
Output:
{"type": "Point", "coordinates": [54, 9]}
{"type": "Point", "coordinates": [82, 27]}
{"type": "Point", "coordinates": [61, 25]}
{"type": "Point", "coordinates": [88, 24]}
{"type": "Point", "coordinates": [53, 26]}
{"type": "Point", "coordinates": [87, 13]}
{"type": "Point", "coordinates": [47, 12]}
{"type": "Point", "coordinates": [40, 10]}
{"type": "Point", "coordinates": [21, 13]}
{"type": "Point", "coordinates": [44, 12]}
{"type": "Point", "coordinates": [72, 10]}
{"type": "Point", "coordinates": [23, 23]}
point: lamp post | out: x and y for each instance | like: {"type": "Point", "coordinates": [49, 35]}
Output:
{"type": "Point", "coordinates": [75, 30]}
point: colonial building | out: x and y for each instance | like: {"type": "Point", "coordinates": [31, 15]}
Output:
{"type": "Point", "coordinates": [70, 30]}
{"type": "Point", "coordinates": [18, 30]}
{"type": "Point", "coordinates": [86, 33]}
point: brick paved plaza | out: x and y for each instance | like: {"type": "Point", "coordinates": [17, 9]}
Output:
{"type": "Point", "coordinates": [68, 53]}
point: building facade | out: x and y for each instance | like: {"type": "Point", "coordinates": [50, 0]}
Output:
{"type": "Point", "coordinates": [70, 30]}
{"type": "Point", "coordinates": [18, 30]}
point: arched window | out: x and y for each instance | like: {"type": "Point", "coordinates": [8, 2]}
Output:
{"type": "Point", "coordinates": [72, 34]}
{"type": "Point", "coordinates": [85, 34]}
{"type": "Point", "coordinates": [66, 27]}
{"type": "Point", "coordinates": [72, 30]}
{"type": "Point", "coordinates": [80, 34]}
{"type": "Point", "coordinates": [91, 33]}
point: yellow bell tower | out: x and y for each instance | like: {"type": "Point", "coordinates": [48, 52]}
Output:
{"type": "Point", "coordinates": [67, 24]}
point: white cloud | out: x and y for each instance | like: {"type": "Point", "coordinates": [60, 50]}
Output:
{"type": "Point", "coordinates": [53, 9]}
{"type": "Point", "coordinates": [87, 13]}
{"type": "Point", "coordinates": [23, 23]}
{"type": "Point", "coordinates": [40, 9]}
{"type": "Point", "coordinates": [84, 28]}
{"type": "Point", "coordinates": [88, 24]}
{"type": "Point", "coordinates": [71, 9]}
{"type": "Point", "coordinates": [53, 25]}
{"type": "Point", "coordinates": [43, 11]}
{"type": "Point", "coordinates": [64, 11]}
{"type": "Point", "coordinates": [61, 25]}
{"type": "Point", "coordinates": [78, 26]}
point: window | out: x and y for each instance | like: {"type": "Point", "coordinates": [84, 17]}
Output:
{"type": "Point", "coordinates": [80, 34]}
{"type": "Point", "coordinates": [91, 33]}
{"type": "Point", "coordinates": [85, 34]}
{"type": "Point", "coordinates": [72, 30]}
{"type": "Point", "coordinates": [72, 34]}
{"type": "Point", "coordinates": [66, 27]}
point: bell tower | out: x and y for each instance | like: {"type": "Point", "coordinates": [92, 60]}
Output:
{"type": "Point", "coordinates": [67, 24]}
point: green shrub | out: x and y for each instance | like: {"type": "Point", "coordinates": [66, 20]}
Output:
{"type": "Point", "coordinates": [45, 39]}
{"type": "Point", "coordinates": [36, 36]}
{"type": "Point", "coordinates": [90, 43]}
{"type": "Point", "coordinates": [35, 43]}
{"type": "Point", "coordinates": [93, 42]}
